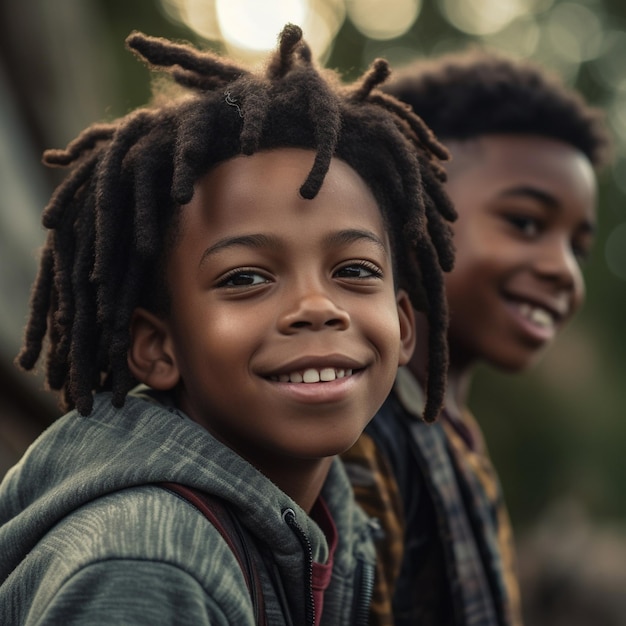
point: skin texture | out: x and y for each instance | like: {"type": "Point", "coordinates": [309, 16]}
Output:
{"type": "Point", "coordinates": [526, 208]}
{"type": "Point", "coordinates": [264, 283]}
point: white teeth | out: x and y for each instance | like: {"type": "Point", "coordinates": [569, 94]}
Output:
{"type": "Point", "coordinates": [537, 315]}
{"type": "Point", "coordinates": [310, 376]}
{"type": "Point", "coordinates": [542, 318]}
{"type": "Point", "coordinates": [313, 375]}
{"type": "Point", "coordinates": [328, 373]}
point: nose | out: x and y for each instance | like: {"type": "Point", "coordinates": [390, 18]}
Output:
{"type": "Point", "coordinates": [315, 310]}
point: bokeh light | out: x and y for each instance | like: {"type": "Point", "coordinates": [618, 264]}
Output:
{"type": "Point", "coordinates": [254, 26]}
{"type": "Point", "coordinates": [610, 68]}
{"type": "Point", "coordinates": [485, 17]}
{"type": "Point", "coordinates": [383, 20]}
{"type": "Point", "coordinates": [199, 15]}
{"type": "Point", "coordinates": [575, 32]}
{"type": "Point", "coordinates": [520, 38]}
{"type": "Point", "coordinates": [248, 29]}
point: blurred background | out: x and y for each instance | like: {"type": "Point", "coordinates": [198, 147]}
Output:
{"type": "Point", "coordinates": [557, 434]}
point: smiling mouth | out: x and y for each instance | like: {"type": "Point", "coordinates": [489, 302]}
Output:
{"type": "Point", "coordinates": [312, 375]}
{"type": "Point", "coordinates": [537, 315]}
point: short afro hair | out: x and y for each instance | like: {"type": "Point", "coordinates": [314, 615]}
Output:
{"type": "Point", "coordinates": [476, 92]}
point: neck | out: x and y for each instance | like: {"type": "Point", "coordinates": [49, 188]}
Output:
{"type": "Point", "coordinates": [457, 389]}
{"type": "Point", "coordinates": [460, 372]}
{"type": "Point", "coordinates": [303, 481]}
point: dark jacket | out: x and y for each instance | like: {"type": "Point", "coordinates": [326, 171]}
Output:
{"type": "Point", "coordinates": [448, 553]}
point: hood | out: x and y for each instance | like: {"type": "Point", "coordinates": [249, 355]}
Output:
{"type": "Point", "coordinates": [79, 459]}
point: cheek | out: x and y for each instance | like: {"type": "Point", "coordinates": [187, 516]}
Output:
{"type": "Point", "coordinates": [470, 270]}
{"type": "Point", "coordinates": [480, 258]}
{"type": "Point", "coordinates": [226, 334]}
{"type": "Point", "coordinates": [384, 327]}
{"type": "Point", "coordinates": [227, 324]}
{"type": "Point", "coordinates": [580, 291]}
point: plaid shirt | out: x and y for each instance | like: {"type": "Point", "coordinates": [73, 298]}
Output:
{"type": "Point", "coordinates": [447, 555]}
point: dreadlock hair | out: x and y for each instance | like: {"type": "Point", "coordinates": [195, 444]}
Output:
{"type": "Point", "coordinates": [113, 219]}
{"type": "Point", "coordinates": [475, 92]}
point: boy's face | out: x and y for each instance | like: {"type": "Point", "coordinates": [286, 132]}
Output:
{"type": "Point", "coordinates": [268, 289]}
{"type": "Point", "coordinates": [526, 208]}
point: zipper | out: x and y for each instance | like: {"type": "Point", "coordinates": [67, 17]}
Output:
{"type": "Point", "coordinates": [364, 579]}
{"type": "Point", "coordinates": [364, 588]}
{"type": "Point", "coordinates": [289, 516]}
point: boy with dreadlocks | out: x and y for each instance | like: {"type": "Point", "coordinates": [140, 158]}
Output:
{"type": "Point", "coordinates": [225, 250]}
{"type": "Point", "coordinates": [521, 177]}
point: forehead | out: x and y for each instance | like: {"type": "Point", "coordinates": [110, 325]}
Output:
{"type": "Point", "coordinates": [260, 193]}
{"type": "Point", "coordinates": [493, 164]}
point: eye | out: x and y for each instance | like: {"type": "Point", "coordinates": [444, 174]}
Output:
{"type": "Point", "coordinates": [527, 226]}
{"type": "Point", "coordinates": [359, 270]}
{"type": "Point", "coordinates": [242, 278]}
{"type": "Point", "coordinates": [582, 251]}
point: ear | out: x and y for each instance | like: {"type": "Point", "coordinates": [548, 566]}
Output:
{"type": "Point", "coordinates": [151, 356]}
{"type": "Point", "coordinates": [406, 316]}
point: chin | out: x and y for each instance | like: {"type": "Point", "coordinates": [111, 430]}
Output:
{"type": "Point", "coordinates": [324, 449]}
{"type": "Point", "coordinates": [516, 364]}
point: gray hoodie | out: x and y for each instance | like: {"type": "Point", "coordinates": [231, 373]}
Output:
{"type": "Point", "coordinates": [87, 538]}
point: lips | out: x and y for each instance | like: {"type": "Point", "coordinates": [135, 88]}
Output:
{"type": "Point", "coordinates": [537, 315]}
{"type": "Point", "coordinates": [312, 375]}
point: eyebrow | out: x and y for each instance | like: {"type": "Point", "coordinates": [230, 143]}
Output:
{"type": "Point", "coordinates": [259, 241]}
{"type": "Point", "coordinates": [246, 241]}
{"type": "Point", "coordinates": [545, 198]}
{"type": "Point", "coordinates": [351, 235]}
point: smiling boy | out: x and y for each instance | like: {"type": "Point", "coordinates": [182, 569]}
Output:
{"type": "Point", "coordinates": [533, 199]}
{"type": "Point", "coordinates": [295, 295]}
{"type": "Point", "coordinates": [240, 252]}
{"type": "Point", "coordinates": [521, 176]}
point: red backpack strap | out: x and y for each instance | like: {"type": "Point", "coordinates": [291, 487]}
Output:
{"type": "Point", "coordinates": [218, 513]}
